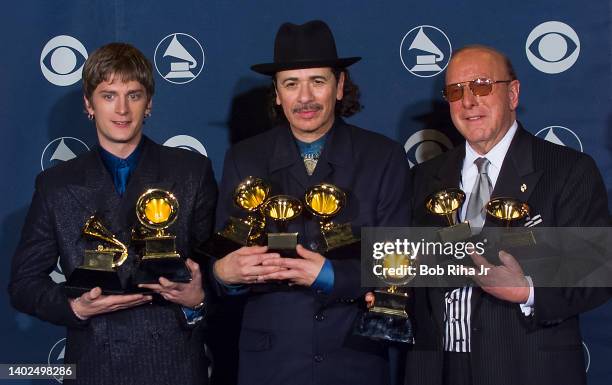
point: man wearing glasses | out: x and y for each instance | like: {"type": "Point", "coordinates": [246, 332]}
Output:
{"type": "Point", "coordinates": [483, 333]}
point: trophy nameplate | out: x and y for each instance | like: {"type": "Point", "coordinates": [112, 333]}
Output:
{"type": "Point", "coordinates": [388, 319]}
{"type": "Point", "coordinates": [447, 203]}
{"type": "Point", "coordinates": [249, 196]}
{"type": "Point", "coordinates": [325, 201]}
{"type": "Point", "coordinates": [509, 210]}
{"type": "Point", "coordinates": [157, 210]}
{"type": "Point", "coordinates": [99, 265]}
{"type": "Point", "coordinates": [281, 209]}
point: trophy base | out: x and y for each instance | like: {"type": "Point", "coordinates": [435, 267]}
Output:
{"type": "Point", "coordinates": [350, 250]}
{"type": "Point", "coordinates": [83, 280]}
{"type": "Point", "coordinates": [218, 246]}
{"type": "Point", "coordinates": [455, 233]}
{"type": "Point", "coordinates": [171, 268]}
{"type": "Point", "coordinates": [283, 243]}
{"type": "Point", "coordinates": [523, 238]}
{"type": "Point", "coordinates": [384, 327]}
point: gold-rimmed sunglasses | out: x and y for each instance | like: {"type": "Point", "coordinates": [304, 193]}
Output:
{"type": "Point", "coordinates": [479, 87]}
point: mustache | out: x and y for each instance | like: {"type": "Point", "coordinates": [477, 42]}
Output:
{"type": "Point", "coordinates": [307, 107]}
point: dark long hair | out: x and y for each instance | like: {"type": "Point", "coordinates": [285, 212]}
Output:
{"type": "Point", "coordinates": [348, 106]}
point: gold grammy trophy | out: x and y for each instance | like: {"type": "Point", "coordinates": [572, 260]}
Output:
{"type": "Point", "coordinates": [281, 209]}
{"type": "Point", "coordinates": [387, 319]}
{"type": "Point", "coordinates": [508, 210]}
{"type": "Point", "coordinates": [98, 268]}
{"type": "Point", "coordinates": [325, 201]}
{"type": "Point", "coordinates": [447, 203]}
{"type": "Point", "coordinates": [157, 210]}
{"type": "Point", "coordinates": [249, 196]}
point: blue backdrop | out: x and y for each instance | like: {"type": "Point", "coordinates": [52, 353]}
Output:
{"type": "Point", "coordinates": [207, 97]}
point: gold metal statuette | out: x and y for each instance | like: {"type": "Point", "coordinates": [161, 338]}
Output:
{"type": "Point", "coordinates": [325, 201]}
{"type": "Point", "coordinates": [388, 319]}
{"type": "Point", "coordinates": [157, 210]}
{"type": "Point", "coordinates": [249, 197]}
{"type": "Point", "coordinates": [447, 203]}
{"type": "Point", "coordinates": [281, 209]}
{"type": "Point", "coordinates": [99, 265]}
{"type": "Point", "coordinates": [509, 210]}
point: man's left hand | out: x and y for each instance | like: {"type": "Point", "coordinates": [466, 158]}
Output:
{"type": "Point", "coordinates": [506, 282]}
{"type": "Point", "coordinates": [299, 271]}
{"type": "Point", "coordinates": [186, 294]}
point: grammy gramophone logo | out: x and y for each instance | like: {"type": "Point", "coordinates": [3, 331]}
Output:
{"type": "Point", "coordinates": [179, 58]}
{"type": "Point", "coordinates": [425, 51]}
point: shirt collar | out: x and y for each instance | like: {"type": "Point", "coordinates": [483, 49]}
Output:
{"type": "Point", "coordinates": [113, 162]}
{"type": "Point", "coordinates": [496, 155]}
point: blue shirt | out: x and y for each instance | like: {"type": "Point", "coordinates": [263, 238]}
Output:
{"type": "Point", "coordinates": [121, 169]}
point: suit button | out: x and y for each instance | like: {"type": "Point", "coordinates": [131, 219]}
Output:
{"type": "Point", "coordinates": [314, 245]}
{"type": "Point", "coordinates": [319, 317]}
{"type": "Point", "coordinates": [475, 329]}
{"type": "Point", "coordinates": [318, 358]}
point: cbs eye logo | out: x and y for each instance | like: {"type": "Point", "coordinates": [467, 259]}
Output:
{"type": "Point", "coordinates": [552, 47]}
{"type": "Point", "coordinates": [62, 59]}
{"type": "Point", "coordinates": [424, 145]}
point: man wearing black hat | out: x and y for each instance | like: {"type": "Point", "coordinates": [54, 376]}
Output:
{"type": "Point", "coordinates": [298, 319]}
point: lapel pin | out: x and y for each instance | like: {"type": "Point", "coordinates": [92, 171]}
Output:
{"type": "Point", "coordinates": [523, 187]}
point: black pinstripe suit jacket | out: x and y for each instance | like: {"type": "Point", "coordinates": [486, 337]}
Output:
{"type": "Point", "coordinates": [149, 344]}
{"type": "Point", "coordinates": [566, 189]}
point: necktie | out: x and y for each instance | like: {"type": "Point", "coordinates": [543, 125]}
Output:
{"type": "Point", "coordinates": [123, 171]}
{"type": "Point", "coordinates": [481, 193]}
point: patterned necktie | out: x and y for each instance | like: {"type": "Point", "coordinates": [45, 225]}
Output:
{"type": "Point", "coordinates": [481, 193]}
{"type": "Point", "coordinates": [123, 171]}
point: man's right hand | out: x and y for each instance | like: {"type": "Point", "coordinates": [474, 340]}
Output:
{"type": "Point", "coordinates": [244, 266]}
{"type": "Point", "coordinates": [92, 303]}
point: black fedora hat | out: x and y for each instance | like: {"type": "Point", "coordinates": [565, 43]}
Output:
{"type": "Point", "coordinates": [308, 45]}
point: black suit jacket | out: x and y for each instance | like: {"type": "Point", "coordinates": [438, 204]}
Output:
{"type": "Point", "coordinates": [296, 335]}
{"type": "Point", "coordinates": [566, 189]}
{"type": "Point", "coordinates": [149, 344]}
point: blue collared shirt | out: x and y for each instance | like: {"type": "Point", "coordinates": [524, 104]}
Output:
{"type": "Point", "coordinates": [121, 169]}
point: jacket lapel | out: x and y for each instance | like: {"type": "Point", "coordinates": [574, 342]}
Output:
{"type": "Point", "coordinates": [95, 193]}
{"type": "Point", "coordinates": [518, 176]}
{"type": "Point", "coordinates": [285, 156]}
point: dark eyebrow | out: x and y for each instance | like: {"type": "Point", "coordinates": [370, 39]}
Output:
{"type": "Point", "coordinates": [295, 79]}
{"type": "Point", "coordinates": [289, 79]}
